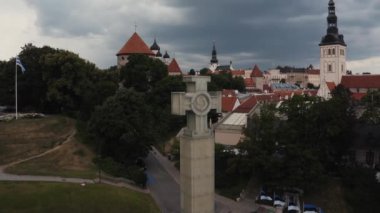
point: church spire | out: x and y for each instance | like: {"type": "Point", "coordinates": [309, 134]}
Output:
{"type": "Point", "coordinates": [332, 20]}
{"type": "Point", "coordinates": [332, 36]}
{"type": "Point", "coordinates": [214, 60]}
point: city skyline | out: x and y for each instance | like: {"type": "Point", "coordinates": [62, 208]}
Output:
{"type": "Point", "coordinates": [267, 33]}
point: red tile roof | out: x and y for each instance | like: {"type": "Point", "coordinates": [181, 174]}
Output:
{"type": "Point", "coordinates": [286, 94]}
{"type": "Point", "coordinates": [174, 67]}
{"type": "Point", "coordinates": [267, 98]}
{"type": "Point", "coordinates": [256, 72]}
{"type": "Point", "coordinates": [361, 81]}
{"type": "Point", "coordinates": [247, 106]}
{"type": "Point", "coordinates": [267, 88]}
{"type": "Point", "coordinates": [228, 103]}
{"type": "Point", "coordinates": [228, 93]}
{"type": "Point", "coordinates": [331, 85]}
{"type": "Point", "coordinates": [358, 96]}
{"type": "Point", "coordinates": [249, 82]}
{"type": "Point", "coordinates": [312, 92]}
{"type": "Point", "coordinates": [237, 72]}
{"type": "Point", "coordinates": [281, 95]}
{"type": "Point", "coordinates": [135, 45]}
{"type": "Point", "coordinates": [313, 72]}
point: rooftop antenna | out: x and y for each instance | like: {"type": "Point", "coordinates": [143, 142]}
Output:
{"type": "Point", "coordinates": [135, 26]}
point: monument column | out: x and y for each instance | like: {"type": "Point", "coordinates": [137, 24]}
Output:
{"type": "Point", "coordinates": [197, 144]}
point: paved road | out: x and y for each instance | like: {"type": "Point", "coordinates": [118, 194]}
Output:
{"type": "Point", "coordinates": [163, 184]}
{"type": "Point", "coordinates": [163, 188]}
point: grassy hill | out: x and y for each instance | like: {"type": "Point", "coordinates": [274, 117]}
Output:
{"type": "Point", "coordinates": [23, 138]}
{"type": "Point", "coordinates": [70, 158]}
{"type": "Point", "coordinates": [64, 197]}
{"type": "Point", "coordinates": [63, 155]}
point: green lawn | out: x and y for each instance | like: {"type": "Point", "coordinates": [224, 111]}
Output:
{"type": "Point", "coordinates": [37, 197]}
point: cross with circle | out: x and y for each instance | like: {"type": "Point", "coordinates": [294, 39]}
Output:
{"type": "Point", "coordinates": [196, 104]}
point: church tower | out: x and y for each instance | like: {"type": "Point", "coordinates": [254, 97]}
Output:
{"type": "Point", "coordinates": [332, 54]}
{"type": "Point", "coordinates": [156, 49]}
{"type": "Point", "coordinates": [214, 60]}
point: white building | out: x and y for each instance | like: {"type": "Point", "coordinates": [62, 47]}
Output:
{"type": "Point", "coordinates": [332, 55]}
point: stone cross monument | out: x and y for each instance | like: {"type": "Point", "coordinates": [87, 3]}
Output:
{"type": "Point", "coordinates": [197, 144]}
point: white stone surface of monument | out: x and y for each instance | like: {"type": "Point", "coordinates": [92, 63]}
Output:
{"type": "Point", "coordinates": [197, 144]}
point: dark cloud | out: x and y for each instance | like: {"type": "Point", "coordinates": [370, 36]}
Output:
{"type": "Point", "coordinates": [266, 32]}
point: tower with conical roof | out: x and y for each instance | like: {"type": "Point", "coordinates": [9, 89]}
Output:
{"type": "Point", "coordinates": [214, 59]}
{"type": "Point", "coordinates": [166, 58]}
{"type": "Point", "coordinates": [173, 68]}
{"type": "Point", "coordinates": [257, 77]}
{"type": "Point", "coordinates": [134, 45]}
{"type": "Point", "coordinates": [332, 53]}
{"type": "Point", "coordinates": [156, 49]}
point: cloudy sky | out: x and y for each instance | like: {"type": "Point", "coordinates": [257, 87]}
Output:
{"type": "Point", "coordinates": [246, 32]}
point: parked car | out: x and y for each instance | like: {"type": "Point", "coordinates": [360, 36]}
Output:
{"type": "Point", "coordinates": [310, 208]}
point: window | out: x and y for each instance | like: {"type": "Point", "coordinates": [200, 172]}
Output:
{"type": "Point", "coordinates": [333, 51]}
{"type": "Point", "coordinates": [329, 68]}
{"type": "Point", "coordinates": [342, 67]}
{"type": "Point", "coordinates": [341, 52]}
{"type": "Point", "coordinates": [369, 158]}
{"type": "Point", "coordinates": [329, 52]}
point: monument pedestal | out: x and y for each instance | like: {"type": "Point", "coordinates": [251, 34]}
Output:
{"type": "Point", "coordinates": [197, 174]}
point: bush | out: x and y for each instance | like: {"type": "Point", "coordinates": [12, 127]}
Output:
{"type": "Point", "coordinates": [133, 172]}
{"type": "Point", "coordinates": [111, 167]}
{"type": "Point", "coordinates": [175, 152]}
{"type": "Point", "coordinates": [362, 191]}
{"type": "Point", "coordinates": [138, 175]}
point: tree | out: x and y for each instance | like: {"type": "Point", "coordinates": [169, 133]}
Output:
{"type": "Point", "coordinates": [56, 81]}
{"type": "Point", "coordinates": [7, 75]}
{"type": "Point", "coordinates": [310, 86]}
{"type": "Point", "coordinates": [192, 72]}
{"type": "Point", "coordinates": [160, 100]}
{"type": "Point", "coordinates": [371, 102]}
{"type": "Point", "coordinates": [297, 143]}
{"type": "Point", "coordinates": [123, 126]}
{"type": "Point", "coordinates": [32, 84]}
{"type": "Point", "coordinates": [204, 71]}
{"type": "Point", "coordinates": [142, 72]}
{"type": "Point", "coordinates": [274, 160]}
{"type": "Point", "coordinates": [226, 81]}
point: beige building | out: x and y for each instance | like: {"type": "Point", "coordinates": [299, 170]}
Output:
{"type": "Point", "coordinates": [274, 76]}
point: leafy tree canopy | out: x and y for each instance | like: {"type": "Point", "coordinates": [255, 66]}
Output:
{"type": "Point", "coordinates": [142, 72]}
{"type": "Point", "coordinates": [123, 126]}
{"type": "Point", "coordinates": [371, 102]}
{"type": "Point", "coordinates": [299, 142]}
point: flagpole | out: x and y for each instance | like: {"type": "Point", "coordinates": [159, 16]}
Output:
{"type": "Point", "coordinates": [16, 87]}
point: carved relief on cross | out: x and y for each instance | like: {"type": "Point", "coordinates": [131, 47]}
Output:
{"type": "Point", "coordinates": [195, 104]}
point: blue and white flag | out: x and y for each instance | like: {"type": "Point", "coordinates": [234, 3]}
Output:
{"type": "Point", "coordinates": [18, 63]}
